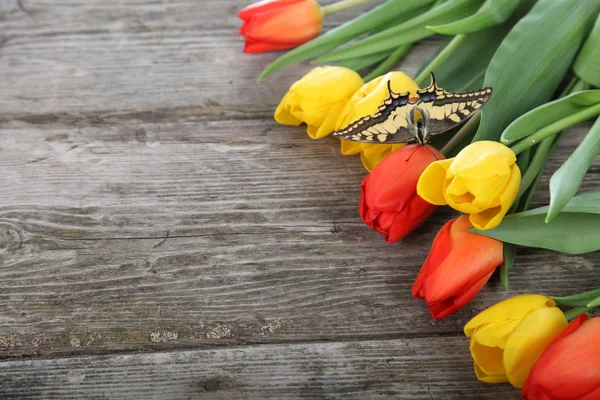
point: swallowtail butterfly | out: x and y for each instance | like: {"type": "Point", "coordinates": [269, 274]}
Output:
{"type": "Point", "coordinates": [396, 121]}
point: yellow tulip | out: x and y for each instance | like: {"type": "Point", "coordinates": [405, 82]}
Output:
{"type": "Point", "coordinates": [365, 102]}
{"type": "Point", "coordinates": [318, 99]}
{"type": "Point", "coordinates": [509, 337]}
{"type": "Point", "coordinates": [482, 180]}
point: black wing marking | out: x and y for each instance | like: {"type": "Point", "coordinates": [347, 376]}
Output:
{"type": "Point", "coordinates": [446, 109]}
{"type": "Point", "coordinates": [388, 125]}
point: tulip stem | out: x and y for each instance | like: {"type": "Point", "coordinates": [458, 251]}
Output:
{"type": "Point", "coordinates": [340, 6]}
{"type": "Point", "coordinates": [536, 165]}
{"type": "Point", "coordinates": [574, 312]}
{"type": "Point", "coordinates": [440, 58]}
{"type": "Point", "coordinates": [388, 62]}
{"type": "Point", "coordinates": [461, 135]}
{"type": "Point", "coordinates": [556, 127]}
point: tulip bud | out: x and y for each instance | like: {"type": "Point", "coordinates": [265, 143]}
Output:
{"type": "Point", "coordinates": [482, 180]}
{"type": "Point", "coordinates": [509, 337]}
{"type": "Point", "coordinates": [366, 101]}
{"type": "Point", "coordinates": [389, 202]}
{"type": "Point", "coordinates": [569, 368]}
{"type": "Point", "coordinates": [279, 24]}
{"type": "Point", "coordinates": [458, 266]}
{"type": "Point", "coordinates": [317, 99]}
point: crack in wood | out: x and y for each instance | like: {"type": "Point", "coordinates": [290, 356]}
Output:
{"type": "Point", "coordinates": [181, 114]}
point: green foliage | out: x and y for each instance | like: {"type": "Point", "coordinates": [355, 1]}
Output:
{"type": "Point", "coordinates": [383, 14]}
{"type": "Point", "coordinates": [465, 68]}
{"type": "Point", "coordinates": [554, 116]}
{"type": "Point", "coordinates": [573, 231]}
{"type": "Point", "coordinates": [524, 72]}
{"type": "Point", "coordinates": [407, 32]}
{"type": "Point", "coordinates": [587, 63]}
{"type": "Point", "coordinates": [492, 12]}
{"type": "Point", "coordinates": [578, 300]}
{"type": "Point", "coordinates": [565, 182]}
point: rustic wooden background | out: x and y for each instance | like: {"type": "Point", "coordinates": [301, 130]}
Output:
{"type": "Point", "coordinates": [161, 237]}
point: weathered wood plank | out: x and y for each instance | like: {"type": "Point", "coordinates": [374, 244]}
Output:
{"type": "Point", "coordinates": [420, 368]}
{"type": "Point", "coordinates": [130, 235]}
{"type": "Point", "coordinates": [76, 56]}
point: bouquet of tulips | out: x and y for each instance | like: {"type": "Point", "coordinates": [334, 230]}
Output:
{"type": "Point", "coordinates": [542, 59]}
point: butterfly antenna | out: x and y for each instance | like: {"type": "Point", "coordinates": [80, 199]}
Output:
{"type": "Point", "coordinates": [409, 157]}
{"type": "Point", "coordinates": [432, 153]}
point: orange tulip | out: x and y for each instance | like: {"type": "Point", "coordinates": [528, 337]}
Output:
{"type": "Point", "coordinates": [459, 264]}
{"type": "Point", "coordinates": [279, 24]}
{"type": "Point", "coordinates": [389, 202]}
{"type": "Point", "coordinates": [569, 368]}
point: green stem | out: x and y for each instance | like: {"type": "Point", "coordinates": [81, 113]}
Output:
{"type": "Point", "coordinates": [459, 136]}
{"type": "Point", "coordinates": [579, 85]}
{"type": "Point", "coordinates": [340, 6]}
{"type": "Point", "coordinates": [538, 162]}
{"type": "Point", "coordinates": [440, 58]}
{"type": "Point", "coordinates": [556, 127]}
{"type": "Point", "coordinates": [573, 312]}
{"type": "Point", "coordinates": [535, 166]}
{"type": "Point", "coordinates": [388, 62]}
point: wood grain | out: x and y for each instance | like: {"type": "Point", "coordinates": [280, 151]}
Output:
{"type": "Point", "coordinates": [148, 202]}
{"type": "Point", "coordinates": [383, 369]}
{"type": "Point", "coordinates": [116, 232]}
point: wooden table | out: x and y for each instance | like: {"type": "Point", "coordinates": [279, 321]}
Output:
{"type": "Point", "coordinates": [161, 237]}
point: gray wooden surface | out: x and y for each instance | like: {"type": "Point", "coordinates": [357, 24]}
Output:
{"type": "Point", "coordinates": [162, 237]}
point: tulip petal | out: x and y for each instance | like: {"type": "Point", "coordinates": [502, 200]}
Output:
{"type": "Point", "coordinates": [471, 258]}
{"type": "Point", "coordinates": [495, 334]}
{"type": "Point", "coordinates": [492, 217]}
{"type": "Point", "coordinates": [517, 307]}
{"type": "Point", "coordinates": [265, 5]}
{"type": "Point", "coordinates": [443, 308]}
{"type": "Point", "coordinates": [482, 159]}
{"type": "Point", "coordinates": [497, 377]}
{"type": "Point", "coordinates": [439, 250]}
{"type": "Point", "coordinates": [252, 46]}
{"type": "Point", "coordinates": [328, 124]}
{"type": "Point", "coordinates": [570, 367]}
{"type": "Point", "coordinates": [431, 182]}
{"type": "Point", "coordinates": [282, 112]}
{"type": "Point", "coordinates": [349, 147]}
{"type": "Point", "coordinates": [294, 24]}
{"type": "Point", "coordinates": [529, 340]}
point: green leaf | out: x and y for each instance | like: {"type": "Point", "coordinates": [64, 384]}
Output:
{"type": "Point", "coordinates": [407, 32]}
{"type": "Point", "coordinates": [462, 71]}
{"type": "Point", "coordinates": [389, 11]}
{"type": "Point", "coordinates": [510, 252]}
{"type": "Point", "coordinates": [577, 300]}
{"type": "Point", "coordinates": [587, 63]}
{"type": "Point", "coordinates": [533, 59]}
{"type": "Point", "coordinates": [565, 182]}
{"type": "Point", "coordinates": [594, 303]}
{"type": "Point", "coordinates": [388, 62]}
{"type": "Point", "coordinates": [586, 203]}
{"type": "Point", "coordinates": [492, 12]}
{"type": "Point", "coordinates": [554, 116]}
{"type": "Point", "coordinates": [570, 233]}
{"type": "Point", "coordinates": [359, 63]}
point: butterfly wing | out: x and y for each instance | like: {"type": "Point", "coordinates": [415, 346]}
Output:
{"type": "Point", "coordinates": [446, 109]}
{"type": "Point", "coordinates": [388, 125]}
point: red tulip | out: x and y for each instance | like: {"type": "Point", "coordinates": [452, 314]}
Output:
{"type": "Point", "coordinates": [279, 24]}
{"type": "Point", "coordinates": [569, 368]}
{"type": "Point", "coordinates": [389, 202]}
{"type": "Point", "coordinates": [459, 264]}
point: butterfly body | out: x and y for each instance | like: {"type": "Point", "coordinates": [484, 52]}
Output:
{"type": "Point", "coordinates": [404, 118]}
